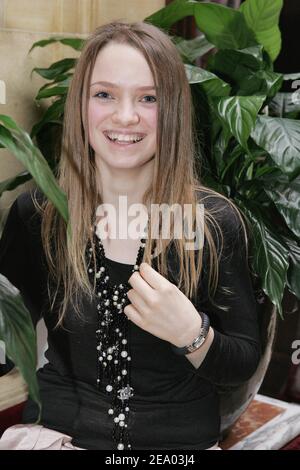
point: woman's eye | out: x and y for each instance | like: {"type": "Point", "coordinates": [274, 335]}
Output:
{"type": "Point", "coordinates": [151, 97]}
{"type": "Point", "coordinates": [103, 94]}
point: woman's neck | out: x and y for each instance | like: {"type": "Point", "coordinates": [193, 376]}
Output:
{"type": "Point", "coordinates": [131, 183]}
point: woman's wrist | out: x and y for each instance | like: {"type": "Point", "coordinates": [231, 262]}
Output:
{"type": "Point", "coordinates": [189, 333]}
{"type": "Point", "coordinates": [191, 345]}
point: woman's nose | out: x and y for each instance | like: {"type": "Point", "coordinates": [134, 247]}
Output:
{"type": "Point", "coordinates": [125, 113]}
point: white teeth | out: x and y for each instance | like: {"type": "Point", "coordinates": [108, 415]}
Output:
{"type": "Point", "coordinates": [124, 137]}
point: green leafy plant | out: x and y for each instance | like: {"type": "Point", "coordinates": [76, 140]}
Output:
{"type": "Point", "coordinates": [17, 331]}
{"type": "Point", "coordinates": [249, 129]}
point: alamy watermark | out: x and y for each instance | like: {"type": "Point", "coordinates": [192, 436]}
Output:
{"type": "Point", "coordinates": [2, 352]}
{"type": "Point", "coordinates": [2, 92]}
{"type": "Point", "coordinates": [296, 353]}
{"type": "Point", "coordinates": [296, 95]}
{"type": "Point", "coordinates": [132, 222]}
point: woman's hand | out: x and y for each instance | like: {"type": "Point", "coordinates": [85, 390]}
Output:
{"type": "Point", "coordinates": [159, 307]}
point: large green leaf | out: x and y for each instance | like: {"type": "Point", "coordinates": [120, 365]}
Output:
{"type": "Point", "coordinates": [219, 148]}
{"type": "Point", "coordinates": [75, 43]}
{"type": "Point", "coordinates": [175, 11]}
{"type": "Point", "coordinates": [60, 90]}
{"type": "Point", "coordinates": [18, 334]}
{"type": "Point", "coordinates": [270, 255]}
{"type": "Point", "coordinates": [17, 141]}
{"type": "Point", "coordinates": [281, 139]}
{"type": "Point", "coordinates": [238, 113]}
{"type": "Point", "coordinates": [224, 27]}
{"type": "Point", "coordinates": [12, 183]}
{"type": "Point", "coordinates": [261, 82]}
{"type": "Point", "coordinates": [192, 49]}
{"type": "Point", "coordinates": [293, 274]}
{"type": "Point", "coordinates": [237, 64]}
{"type": "Point", "coordinates": [287, 200]}
{"type": "Point", "coordinates": [212, 85]}
{"type": "Point", "coordinates": [63, 78]}
{"type": "Point", "coordinates": [55, 69]}
{"type": "Point", "coordinates": [262, 16]}
{"type": "Point", "coordinates": [54, 115]}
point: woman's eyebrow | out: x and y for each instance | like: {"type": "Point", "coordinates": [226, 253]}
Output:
{"type": "Point", "coordinates": [114, 85]}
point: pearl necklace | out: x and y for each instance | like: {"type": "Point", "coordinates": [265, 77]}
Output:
{"type": "Point", "coordinates": [113, 355]}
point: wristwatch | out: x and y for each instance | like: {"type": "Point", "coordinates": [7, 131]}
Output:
{"type": "Point", "coordinates": [198, 341]}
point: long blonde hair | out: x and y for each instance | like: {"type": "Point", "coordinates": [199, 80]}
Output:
{"type": "Point", "coordinates": [174, 180]}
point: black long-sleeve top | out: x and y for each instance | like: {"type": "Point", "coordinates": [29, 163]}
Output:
{"type": "Point", "coordinates": [175, 405]}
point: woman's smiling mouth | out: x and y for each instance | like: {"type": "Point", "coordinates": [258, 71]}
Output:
{"type": "Point", "coordinates": [123, 139]}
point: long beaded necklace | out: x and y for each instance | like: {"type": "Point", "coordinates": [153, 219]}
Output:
{"type": "Point", "coordinates": [113, 354]}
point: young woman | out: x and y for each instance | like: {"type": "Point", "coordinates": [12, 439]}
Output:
{"type": "Point", "coordinates": [141, 331]}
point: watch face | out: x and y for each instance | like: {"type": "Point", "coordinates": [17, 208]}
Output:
{"type": "Point", "coordinates": [198, 343]}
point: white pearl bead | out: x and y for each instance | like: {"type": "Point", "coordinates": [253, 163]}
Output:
{"type": "Point", "coordinates": [109, 388]}
{"type": "Point", "coordinates": [102, 269]}
{"type": "Point", "coordinates": [124, 341]}
{"type": "Point", "coordinates": [98, 275]}
{"type": "Point", "coordinates": [121, 423]}
{"type": "Point", "coordinates": [110, 411]}
{"type": "Point", "coordinates": [127, 408]}
{"type": "Point", "coordinates": [121, 416]}
{"type": "Point", "coordinates": [115, 297]}
{"type": "Point", "coordinates": [124, 372]}
{"type": "Point", "coordinates": [110, 350]}
{"type": "Point", "coordinates": [109, 357]}
{"type": "Point", "coordinates": [124, 354]}
{"type": "Point", "coordinates": [116, 419]}
{"type": "Point", "coordinates": [90, 270]}
{"type": "Point", "coordinates": [120, 446]}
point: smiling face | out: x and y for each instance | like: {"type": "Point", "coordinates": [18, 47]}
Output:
{"type": "Point", "coordinates": [122, 108]}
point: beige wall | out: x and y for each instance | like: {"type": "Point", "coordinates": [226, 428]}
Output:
{"type": "Point", "coordinates": [22, 22]}
{"type": "Point", "coordinates": [76, 16]}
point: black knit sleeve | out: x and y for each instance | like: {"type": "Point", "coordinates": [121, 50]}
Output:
{"type": "Point", "coordinates": [235, 352]}
{"type": "Point", "coordinates": [19, 254]}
